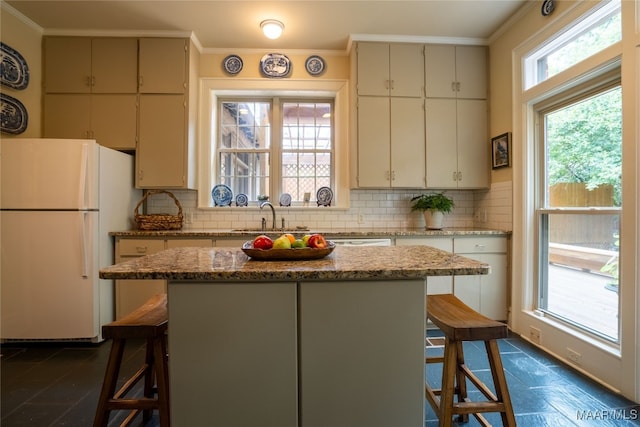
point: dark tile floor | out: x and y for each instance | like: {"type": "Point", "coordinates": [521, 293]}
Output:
{"type": "Point", "coordinates": [58, 385]}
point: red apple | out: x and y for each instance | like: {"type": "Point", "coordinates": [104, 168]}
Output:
{"type": "Point", "coordinates": [262, 242]}
{"type": "Point", "coordinates": [317, 241]}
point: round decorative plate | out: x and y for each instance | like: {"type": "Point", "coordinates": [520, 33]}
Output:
{"type": "Point", "coordinates": [14, 72]}
{"type": "Point", "coordinates": [324, 196]}
{"type": "Point", "coordinates": [242, 200]}
{"type": "Point", "coordinates": [232, 64]}
{"type": "Point", "coordinates": [286, 254]}
{"type": "Point", "coordinates": [285, 199]}
{"type": "Point", "coordinates": [222, 195]}
{"type": "Point", "coordinates": [13, 116]}
{"type": "Point", "coordinates": [547, 7]}
{"type": "Point", "coordinates": [275, 65]}
{"type": "Point", "coordinates": [314, 65]}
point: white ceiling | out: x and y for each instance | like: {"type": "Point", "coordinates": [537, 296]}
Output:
{"type": "Point", "coordinates": [320, 25]}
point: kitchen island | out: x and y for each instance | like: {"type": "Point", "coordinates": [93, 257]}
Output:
{"type": "Point", "coordinates": [337, 341]}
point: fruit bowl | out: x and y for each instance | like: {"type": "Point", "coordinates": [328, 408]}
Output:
{"type": "Point", "coordinates": [287, 254]}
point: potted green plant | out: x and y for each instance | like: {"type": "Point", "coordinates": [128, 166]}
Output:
{"type": "Point", "coordinates": [433, 206]}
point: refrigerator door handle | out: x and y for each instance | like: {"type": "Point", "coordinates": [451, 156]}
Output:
{"type": "Point", "coordinates": [82, 188]}
{"type": "Point", "coordinates": [84, 245]}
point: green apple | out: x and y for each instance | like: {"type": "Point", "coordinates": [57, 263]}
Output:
{"type": "Point", "coordinates": [305, 239]}
{"type": "Point", "coordinates": [282, 242]}
{"type": "Point", "coordinates": [298, 243]}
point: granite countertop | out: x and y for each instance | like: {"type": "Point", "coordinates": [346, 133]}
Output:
{"type": "Point", "coordinates": [333, 232]}
{"type": "Point", "coordinates": [344, 263]}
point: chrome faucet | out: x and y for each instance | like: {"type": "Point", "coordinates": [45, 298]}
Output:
{"type": "Point", "coordinates": [273, 212]}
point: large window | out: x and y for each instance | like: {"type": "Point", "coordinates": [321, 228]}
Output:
{"type": "Point", "coordinates": [578, 201]}
{"type": "Point", "coordinates": [273, 146]}
{"type": "Point", "coordinates": [579, 210]}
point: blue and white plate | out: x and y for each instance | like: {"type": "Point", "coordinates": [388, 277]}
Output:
{"type": "Point", "coordinates": [232, 64]}
{"type": "Point", "coordinates": [14, 71]}
{"type": "Point", "coordinates": [242, 200]}
{"type": "Point", "coordinates": [285, 199]}
{"type": "Point", "coordinates": [222, 195]}
{"type": "Point", "coordinates": [324, 196]}
{"type": "Point", "coordinates": [275, 65]}
{"type": "Point", "coordinates": [314, 65]}
{"type": "Point", "coordinates": [13, 115]}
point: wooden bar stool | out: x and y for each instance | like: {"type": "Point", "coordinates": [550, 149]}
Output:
{"type": "Point", "coordinates": [460, 323]}
{"type": "Point", "coordinates": [149, 321]}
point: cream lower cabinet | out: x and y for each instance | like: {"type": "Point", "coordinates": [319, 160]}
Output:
{"type": "Point", "coordinates": [130, 294]}
{"type": "Point", "coordinates": [487, 294]}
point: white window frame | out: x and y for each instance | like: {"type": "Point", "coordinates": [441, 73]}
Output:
{"type": "Point", "coordinates": [617, 369]}
{"type": "Point", "coordinates": [213, 88]}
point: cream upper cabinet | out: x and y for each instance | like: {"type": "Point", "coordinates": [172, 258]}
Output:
{"type": "Point", "coordinates": [391, 151]}
{"type": "Point", "coordinates": [161, 157]}
{"type": "Point", "coordinates": [163, 65]}
{"type": "Point", "coordinates": [110, 119]}
{"type": "Point", "coordinates": [455, 71]}
{"type": "Point", "coordinates": [457, 145]}
{"type": "Point", "coordinates": [90, 65]}
{"type": "Point", "coordinates": [390, 69]}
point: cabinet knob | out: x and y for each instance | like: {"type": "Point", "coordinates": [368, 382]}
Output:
{"type": "Point", "coordinates": [393, 175]}
{"type": "Point", "coordinates": [459, 176]}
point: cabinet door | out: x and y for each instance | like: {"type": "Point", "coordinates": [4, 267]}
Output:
{"type": "Point", "coordinates": [160, 157]}
{"type": "Point", "coordinates": [67, 116]}
{"type": "Point", "coordinates": [373, 69]}
{"type": "Point", "coordinates": [494, 290]}
{"type": "Point", "coordinates": [406, 68]}
{"type": "Point", "coordinates": [67, 65]}
{"type": "Point", "coordinates": [441, 135]}
{"type": "Point", "coordinates": [471, 72]}
{"type": "Point", "coordinates": [114, 65]}
{"type": "Point", "coordinates": [373, 142]}
{"type": "Point", "coordinates": [114, 120]}
{"type": "Point", "coordinates": [163, 65]}
{"type": "Point", "coordinates": [440, 71]}
{"type": "Point", "coordinates": [131, 294]}
{"type": "Point", "coordinates": [407, 143]}
{"type": "Point", "coordinates": [473, 144]}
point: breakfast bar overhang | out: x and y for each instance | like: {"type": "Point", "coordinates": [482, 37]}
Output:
{"type": "Point", "coordinates": [337, 341]}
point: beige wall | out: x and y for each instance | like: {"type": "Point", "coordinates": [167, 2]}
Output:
{"type": "Point", "coordinates": [526, 23]}
{"type": "Point", "coordinates": [25, 38]}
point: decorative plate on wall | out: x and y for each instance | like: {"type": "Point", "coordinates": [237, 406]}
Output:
{"type": "Point", "coordinates": [314, 65]}
{"type": "Point", "coordinates": [222, 195]}
{"type": "Point", "coordinates": [275, 65]}
{"type": "Point", "coordinates": [14, 71]}
{"type": "Point", "coordinates": [13, 115]}
{"type": "Point", "coordinates": [232, 64]}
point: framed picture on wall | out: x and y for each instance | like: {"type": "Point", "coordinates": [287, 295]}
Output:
{"type": "Point", "coordinates": [500, 156]}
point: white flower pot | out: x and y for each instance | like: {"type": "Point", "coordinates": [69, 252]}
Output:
{"type": "Point", "coordinates": [433, 219]}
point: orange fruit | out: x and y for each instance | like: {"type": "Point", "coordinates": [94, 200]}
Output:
{"type": "Point", "coordinates": [289, 236]}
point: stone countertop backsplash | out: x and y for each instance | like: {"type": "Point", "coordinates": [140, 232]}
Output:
{"type": "Point", "coordinates": [344, 263]}
{"type": "Point", "coordinates": [333, 233]}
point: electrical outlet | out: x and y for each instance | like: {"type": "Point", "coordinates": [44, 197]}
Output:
{"type": "Point", "coordinates": [534, 335]}
{"type": "Point", "coordinates": [574, 356]}
{"type": "Point", "coordinates": [360, 219]}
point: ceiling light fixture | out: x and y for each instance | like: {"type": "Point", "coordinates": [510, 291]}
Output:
{"type": "Point", "coordinates": [271, 28]}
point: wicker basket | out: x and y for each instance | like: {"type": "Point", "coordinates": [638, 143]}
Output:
{"type": "Point", "coordinates": [158, 221]}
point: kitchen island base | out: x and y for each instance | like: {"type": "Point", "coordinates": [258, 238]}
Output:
{"type": "Point", "coordinates": [343, 353]}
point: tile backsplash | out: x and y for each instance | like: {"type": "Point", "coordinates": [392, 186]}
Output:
{"type": "Point", "coordinates": [369, 209]}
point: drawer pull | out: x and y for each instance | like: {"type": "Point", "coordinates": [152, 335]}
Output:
{"type": "Point", "coordinates": [141, 249]}
{"type": "Point", "coordinates": [478, 246]}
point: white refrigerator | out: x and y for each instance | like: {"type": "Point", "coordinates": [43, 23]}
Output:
{"type": "Point", "coordinates": [59, 199]}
